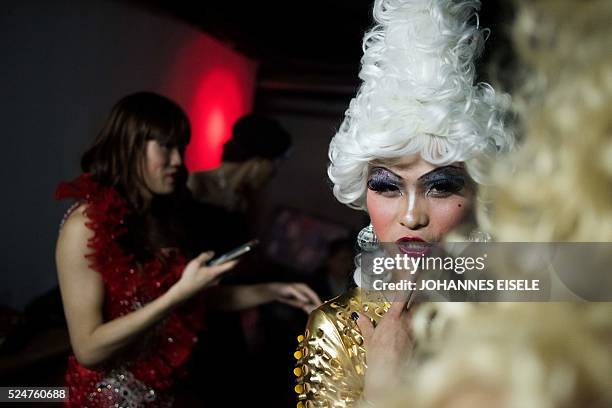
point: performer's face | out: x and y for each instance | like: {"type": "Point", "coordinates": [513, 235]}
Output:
{"type": "Point", "coordinates": [412, 199]}
{"type": "Point", "coordinates": [161, 166]}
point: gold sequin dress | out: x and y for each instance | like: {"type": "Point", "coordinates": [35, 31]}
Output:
{"type": "Point", "coordinates": [331, 358]}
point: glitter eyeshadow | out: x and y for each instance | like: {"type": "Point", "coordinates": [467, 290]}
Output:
{"type": "Point", "coordinates": [382, 180]}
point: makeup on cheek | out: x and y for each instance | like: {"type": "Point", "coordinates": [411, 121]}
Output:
{"type": "Point", "coordinates": [382, 181]}
{"type": "Point", "coordinates": [444, 181]}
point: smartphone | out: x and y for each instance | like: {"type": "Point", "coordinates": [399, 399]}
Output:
{"type": "Point", "coordinates": [234, 253]}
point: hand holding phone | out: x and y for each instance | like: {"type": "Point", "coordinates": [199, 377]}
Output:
{"type": "Point", "coordinates": [197, 275]}
{"type": "Point", "coordinates": [234, 253]}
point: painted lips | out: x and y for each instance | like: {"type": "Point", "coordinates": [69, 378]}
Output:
{"type": "Point", "coordinates": [413, 246]}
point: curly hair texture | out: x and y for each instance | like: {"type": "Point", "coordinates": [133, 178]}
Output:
{"type": "Point", "coordinates": [558, 186]}
{"type": "Point", "coordinates": [554, 355]}
{"type": "Point", "coordinates": [418, 96]}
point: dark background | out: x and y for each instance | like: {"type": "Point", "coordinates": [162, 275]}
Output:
{"type": "Point", "coordinates": [65, 63]}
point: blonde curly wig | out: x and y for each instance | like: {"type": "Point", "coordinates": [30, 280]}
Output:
{"type": "Point", "coordinates": [521, 355]}
{"type": "Point", "coordinates": [558, 186]}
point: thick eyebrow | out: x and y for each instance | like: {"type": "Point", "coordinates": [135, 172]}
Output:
{"type": "Point", "coordinates": [440, 169]}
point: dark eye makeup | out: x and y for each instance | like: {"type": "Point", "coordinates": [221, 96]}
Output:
{"type": "Point", "coordinates": [440, 182]}
{"type": "Point", "coordinates": [382, 180]}
{"type": "Point", "coordinates": [444, 181]}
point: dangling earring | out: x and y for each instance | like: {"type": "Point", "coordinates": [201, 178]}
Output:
{"type": "Point", "coordinates": [367, 239]}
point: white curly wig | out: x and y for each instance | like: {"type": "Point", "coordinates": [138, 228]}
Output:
{"type": "Point", "coordinates": [418, 96]}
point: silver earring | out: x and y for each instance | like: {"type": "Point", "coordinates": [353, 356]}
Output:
{"type": "Point", "coordinates": [367, 239]}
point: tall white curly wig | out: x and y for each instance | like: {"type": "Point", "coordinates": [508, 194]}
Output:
{"type": "Point", "coordinates": [418, 96]}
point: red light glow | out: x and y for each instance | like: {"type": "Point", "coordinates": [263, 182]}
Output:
{"type": "Point", "coordinates": [215, 85]}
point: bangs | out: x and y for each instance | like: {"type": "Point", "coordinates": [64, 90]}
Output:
{"type": "Point", "coordinates": [169, 131]}
{"type": "Point", "coordinates": [156, 117]}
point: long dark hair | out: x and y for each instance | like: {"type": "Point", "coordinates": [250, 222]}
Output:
{"type": "Point", "coordinates": [117, 155]}
{"type": "Point", "coordinates": [116, 159]}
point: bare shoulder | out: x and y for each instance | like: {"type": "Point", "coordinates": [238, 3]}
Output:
{"type": "Point", "coordinates": [75, 224]}
{"type": "Point", "coordinates": [74, 235]}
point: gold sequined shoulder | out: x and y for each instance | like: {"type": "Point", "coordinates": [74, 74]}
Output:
{"type": "Point", "coordinates": [330, 355]}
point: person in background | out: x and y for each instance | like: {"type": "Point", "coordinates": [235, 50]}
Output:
{"type": "Point", "coordinates": [228, 196]}
{"type": "Point", "coordinates": [249, 160]}
{"type": "Point", "coordinates": [134, 281]}
{"type": "Point", "coordinates": [336, 273]}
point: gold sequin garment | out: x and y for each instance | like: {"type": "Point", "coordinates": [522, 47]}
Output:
{"type": "Point", "coordinates": [331, 358]}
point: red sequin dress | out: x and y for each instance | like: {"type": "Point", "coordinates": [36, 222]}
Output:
{"type": "Point", "coordinates": [144, 376]}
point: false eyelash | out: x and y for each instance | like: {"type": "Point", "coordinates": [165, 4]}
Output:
{"type": "Point", "coordinates": [445, 186]}
{"type": "Point", "coordinates": [381, 186]}
{"type": "Point", "coordinates": [446, 182]}
{"type": "Point", "coordinates": [381, 181]}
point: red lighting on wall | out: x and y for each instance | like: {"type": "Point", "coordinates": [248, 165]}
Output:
{"type": "Point", "coordinates": [215, 85]}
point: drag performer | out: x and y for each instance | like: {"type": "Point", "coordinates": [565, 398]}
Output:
{"type": "Point", "coordinates": [412, 150]}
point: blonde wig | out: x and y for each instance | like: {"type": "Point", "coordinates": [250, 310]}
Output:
{"type": "Point", "coordinates": [558, 187]}
{"type": "Point", "coordinates": [520, 355]}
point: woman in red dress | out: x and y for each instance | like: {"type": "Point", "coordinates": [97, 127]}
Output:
{"type": "Point", "coordinates": [133, 301]}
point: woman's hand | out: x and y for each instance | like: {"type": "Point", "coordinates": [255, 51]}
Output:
{"type": "Point", "coordinates": [240, 297]}
{"type": "Point", "coordinates": [387, 346]}
{"type": "Point", "coordinates": [197, 276]}
{"type": "Point", "coordinates": [294, 294]}
{"type": "Point", "coordinates": [95, 340]}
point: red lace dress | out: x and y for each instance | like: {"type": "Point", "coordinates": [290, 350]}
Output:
{"type": "Point", "coordinates": [145, 376]}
